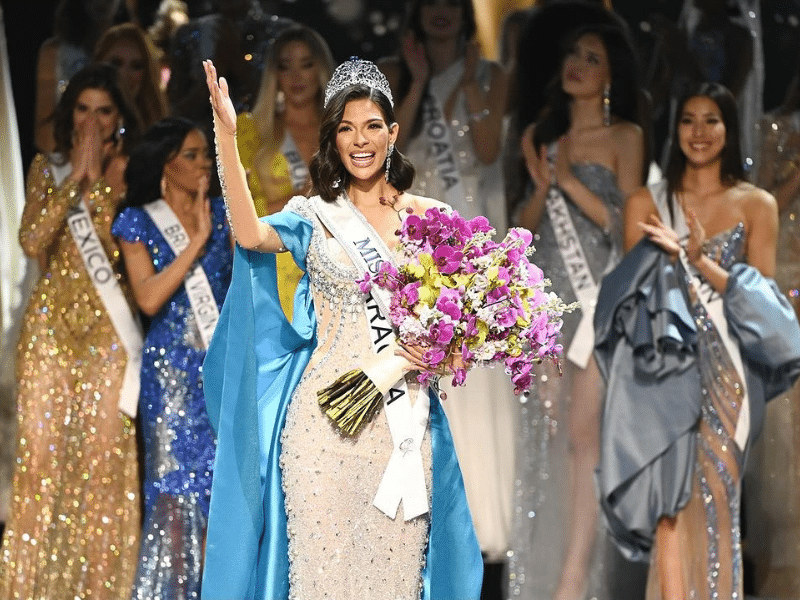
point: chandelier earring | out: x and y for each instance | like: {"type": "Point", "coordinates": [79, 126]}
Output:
{"type": "Point", "coordinates": [389, 160]}
{"type": "Point", "coordinates": [607, 105]}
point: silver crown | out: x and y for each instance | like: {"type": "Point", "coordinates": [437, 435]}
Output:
{"type": "Point", "coordinates": [357, 71]}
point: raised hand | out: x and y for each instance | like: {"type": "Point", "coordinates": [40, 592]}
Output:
{"type": "Point", "coordinates": [664, 237]}
{"type": "Point", "coordinates": [202, 210]}
{"type": "Point", "coordinates": [414, 55]}
{"type": "Point", "coordinates": [535, 161]}
{"type": "Point", "coordinates": [87, 151]}
{"type": "Point", "coordinates": [224, 112]}
{"type": "Point", "coordinates": [697, 237]}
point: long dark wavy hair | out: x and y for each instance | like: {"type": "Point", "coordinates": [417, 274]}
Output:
{"type": "Point", "coordinates": [554, 120]}
{"type": "Point", "coordinates": [159, 145]}
{"type": "Point", "coordinates": [326, 166]}
{"type": "Point", "coordinates": [731, 167]}
{"type": "Point", "coordinates": [98, 76]}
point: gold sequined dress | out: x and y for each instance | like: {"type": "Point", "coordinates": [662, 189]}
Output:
{"type": "Point", "coordinates": [75, 518]}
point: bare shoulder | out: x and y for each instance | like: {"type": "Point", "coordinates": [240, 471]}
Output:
{"type": "Point", "coordinates": [756, 202]}
{"type": "Point", "coordinates": [626, 133]}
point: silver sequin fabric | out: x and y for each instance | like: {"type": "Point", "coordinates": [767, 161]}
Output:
{"type": "Point", "coordinates": [340, 546]}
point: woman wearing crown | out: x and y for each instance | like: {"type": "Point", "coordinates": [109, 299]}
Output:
{"type": "Point", "coordinates": [299, 510]}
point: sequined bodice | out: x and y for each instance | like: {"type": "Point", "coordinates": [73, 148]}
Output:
{"type": "Point", "coordinates": [601, 248]}
{"type": "Point", "coordinates": [330, 481]}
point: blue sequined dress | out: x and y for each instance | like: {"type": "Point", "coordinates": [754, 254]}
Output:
{"type": "Point", "coordinates": [179, 442]}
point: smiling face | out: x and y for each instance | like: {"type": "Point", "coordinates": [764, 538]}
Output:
{"type": "Point", "coordinates": [297, 73]}
{"type": "Point", "coordinates": [96, 104]}
{"type": "Point", "coordinates": [585, 71]}
{"type": "Point", "coordinates": [192, 162]}
{"type": "Point", "coordinates": [363, 138]}
{"type": "Point", "coordinates": [701, 131]}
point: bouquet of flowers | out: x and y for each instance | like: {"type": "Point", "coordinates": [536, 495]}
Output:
{"type": "Point", "coordinates": [458, 292]}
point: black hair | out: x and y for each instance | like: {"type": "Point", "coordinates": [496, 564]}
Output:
{"type": "Point", "coordinates": [97, 76]}
{"type": "Point", "coordinates": [731, 166]}
{"type": "Point", "coordinates": [624, 94]}
{"type": "Point", "coordinates": [159, 145]}
{"type": "Point", "coordinates": [328, 175]}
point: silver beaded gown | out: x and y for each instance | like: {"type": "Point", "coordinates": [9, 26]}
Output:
{"type": "Point", "coordinates": [340, 545]}
{"type": "Point", "coordinates": [542, 489]}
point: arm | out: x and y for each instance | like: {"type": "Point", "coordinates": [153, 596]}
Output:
{"type": "Point", "coordinates": [407, 107]}
{"type": "Point", "coordinates": [628, 141]}
{"type": "Point", "coordinates": [484, 107]}
{"type": "Point", "coordinates": [248, 230]}
{"type": "Point", "coordinates": [639, 210]}
{"type": "Point", "coordinates": [539, 170]}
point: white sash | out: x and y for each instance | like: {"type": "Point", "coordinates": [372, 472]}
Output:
{"type": "Point", "coordinates": [579, 273]}
{"type": "Point", "coordinates": [298, 170]}
{"type": "Point", "coordinates": [105, 282]}
{"type": "Point", "coordinates": [201, 297]}
{"type": "Point", "coordinates": [712, 302]}
{"type": "Point", "coordinates": [440, 147]}
{"type": "Point", "coordinates": [404, 478]}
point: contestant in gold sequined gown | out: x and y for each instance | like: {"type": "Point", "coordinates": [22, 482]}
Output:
{"type": "Point", "coordinates": [75, 518]}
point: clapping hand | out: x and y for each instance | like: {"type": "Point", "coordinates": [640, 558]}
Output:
{"type": "Point", "coordinates": [202, 210]}
{"type": "Point", "coordinates": [535, 161]}
{"type": "Point", "coordinates": [224, 112]}
{"type": "Point", "coordinates": [414, 55]}
{"type": "Point", "coordinates": [87, 152]}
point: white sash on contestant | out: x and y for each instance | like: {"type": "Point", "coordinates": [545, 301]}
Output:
{"type": "Point", "coordinates": [579, 273]}
{"type": "Point", "coordinates": [712, 302]}
{"type": "Point", "coordinates": [201, 297]}
{"type": "Point", "coordinates": [298, 170]}
{"type": "Point", "coordinates": [404, 478]}
{"type": "Point", "coordinates": [440, 146]}
{"type": "Point", "coordinates": [105, 282]}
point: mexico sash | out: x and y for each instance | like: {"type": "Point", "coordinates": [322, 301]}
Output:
{"type": "Point", "coordinates": [201, 297]}
{"type": "Point", "coordinates": [404, 478]}
{"type": "Point", "coordinates": [105, 282]}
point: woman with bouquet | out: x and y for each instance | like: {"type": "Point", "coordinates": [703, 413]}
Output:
{"type": "Point", "coordinates": [297, 508]}
{"type": "Point", "coordinates": [714, 339]}
{"type": "Point", "coordinates": [584, 154]}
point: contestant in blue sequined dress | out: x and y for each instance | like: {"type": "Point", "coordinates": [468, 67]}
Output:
{"type": "Point", "coordinates": [179, 442]}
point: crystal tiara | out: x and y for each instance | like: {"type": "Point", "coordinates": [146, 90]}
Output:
{"type": "Point", "coordinates": [354, 71]}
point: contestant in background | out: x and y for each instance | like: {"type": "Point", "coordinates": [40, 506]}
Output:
{"type": "Point", "coordinates": [714, 340]}
{"type": "Point", "coordinates": [178, 255]}
{"type": "Point", "coordinates": [75, 520]}
{"type": "Point", "coordinates": [451, 108]}
{"type": "Point", "coordinates": [584, 154]}
{"type": "Point", "coordinates": [278, 138]}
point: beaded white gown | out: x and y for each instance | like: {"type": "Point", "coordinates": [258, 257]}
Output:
{"type": "Point", "coordinates": [340, 545]}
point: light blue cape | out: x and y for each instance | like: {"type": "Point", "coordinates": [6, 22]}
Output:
{"type": "Point", "coordinates": [254, 364]}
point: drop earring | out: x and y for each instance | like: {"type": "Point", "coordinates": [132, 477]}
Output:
{"type": "Point", "coordinates": [389, 160]}
{"type": "Point", "coordinates": [607, 105]}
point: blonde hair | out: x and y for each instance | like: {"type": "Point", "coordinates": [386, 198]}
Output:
{"type": "Point", "coordinates": [150, 104]}
{"type": "Point", "coordinates": [268, 111]}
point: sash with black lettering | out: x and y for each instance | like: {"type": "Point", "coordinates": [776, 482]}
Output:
{"type": "Point", "coordinates": [579, 273]}
{"type": "Point", "coordinates": [440, 148]}
{"type": "Point", "coordinates": [105, 282]}
{"type": "Point", "coordinates": [201, 297]}
{"type": "Point", "coordinates": [298, 170]}
{"type": "Point", "coordinates": [404, 477]}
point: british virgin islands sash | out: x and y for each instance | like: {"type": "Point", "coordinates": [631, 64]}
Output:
{"type": "Point", "coordinates": [201, 297]}
{"type": "Point", "coordinates": [404, 478]}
